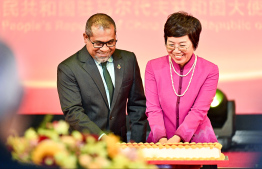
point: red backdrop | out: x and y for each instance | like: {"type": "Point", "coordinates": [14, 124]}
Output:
{"type": "Point", "coordinates": [42, 33]}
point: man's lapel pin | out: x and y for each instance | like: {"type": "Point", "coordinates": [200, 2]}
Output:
{"type": "Point", "coordinates": [118, 66]}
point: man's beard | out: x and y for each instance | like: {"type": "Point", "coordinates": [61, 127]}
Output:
{"type": "Point", "coordinates": [103, 59]}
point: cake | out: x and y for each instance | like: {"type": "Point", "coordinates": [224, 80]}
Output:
{"type": "Point", "coordinates": [177, 151]}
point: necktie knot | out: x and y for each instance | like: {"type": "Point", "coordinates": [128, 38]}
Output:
{"type": "Point", "coordinates": [103, 64]}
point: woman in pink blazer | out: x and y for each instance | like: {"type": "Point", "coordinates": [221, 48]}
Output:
{"type": "Point", "coordinates": [180, 86]}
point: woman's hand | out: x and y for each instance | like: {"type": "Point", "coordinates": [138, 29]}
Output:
{"type": "Point", "coordinates": [174, 139]}
{"type": "Point", "coordinates": [162, 140]}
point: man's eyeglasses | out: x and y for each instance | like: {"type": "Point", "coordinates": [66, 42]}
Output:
{"type": "Point", "coordinates": [99, 44]}
{"type": "Point", "coordinates": [182, 48]}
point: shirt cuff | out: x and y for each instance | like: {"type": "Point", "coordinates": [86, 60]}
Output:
{"type": "Point", "coordinates": [101, 136]}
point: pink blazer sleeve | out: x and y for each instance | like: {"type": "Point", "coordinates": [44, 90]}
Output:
{"type": "Point", "coordinates": [153, 108]}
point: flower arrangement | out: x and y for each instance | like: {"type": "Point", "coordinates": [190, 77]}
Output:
{"type": "Point", "coordinates": [54, 146]}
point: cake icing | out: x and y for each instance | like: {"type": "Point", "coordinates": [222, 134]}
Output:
{"type": "Point", "coordinates": [178, 151]}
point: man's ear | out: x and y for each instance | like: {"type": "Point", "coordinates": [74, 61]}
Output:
{"type": "Point", "coordinates": [85, 38]}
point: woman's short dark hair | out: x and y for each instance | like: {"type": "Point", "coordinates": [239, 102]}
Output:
{"type": "Point", "coordinates": [180, 24]}
{"type": "Point", "coordinates": [101, 20]}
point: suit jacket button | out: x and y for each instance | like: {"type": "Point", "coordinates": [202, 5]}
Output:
{"type": "Point", "coordinates": [111, 117]}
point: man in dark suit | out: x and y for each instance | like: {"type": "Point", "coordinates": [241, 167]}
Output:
{"type": "Point", "coordinates": [99, 83]}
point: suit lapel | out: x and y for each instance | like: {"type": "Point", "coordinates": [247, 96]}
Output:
{"type": "Point", "coordinates": [119, 70]}
{"type": "Point", "coordinates": [90, 67]}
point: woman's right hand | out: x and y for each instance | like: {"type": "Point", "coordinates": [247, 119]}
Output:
{"type": "Point", "coordinates": [162, 140]}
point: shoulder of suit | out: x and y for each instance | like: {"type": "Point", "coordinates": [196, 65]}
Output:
{"type": "Point", "coordinates": [123, 52]}
{"type": "Point", "coordinates": [163, 58]}
{"type": "Point", "coordinates": [158, 63]}
{"type": "Point", "coordinates": [206, 66]}
{"type": "Point", "coordinates": [72, 58]}
{"type": "Point", "coordinates": [159, 60]}
{"type": "Point", "coordinates": [205, 62]}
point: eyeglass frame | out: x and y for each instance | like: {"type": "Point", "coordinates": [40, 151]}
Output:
{"type": "Point", "coordinates": [103, 43]}
{"type": "Point", "coordinates": [179, 48]}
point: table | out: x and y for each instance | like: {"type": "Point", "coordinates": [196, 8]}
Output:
{"type": "Point", "coordinates": [187, 164]}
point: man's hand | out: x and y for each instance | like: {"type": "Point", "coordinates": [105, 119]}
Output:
{"type": "Point", "coordinates": [174, 139]}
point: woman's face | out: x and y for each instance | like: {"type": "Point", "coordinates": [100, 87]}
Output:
{"type": "Point", "coordinates": [180, 49]}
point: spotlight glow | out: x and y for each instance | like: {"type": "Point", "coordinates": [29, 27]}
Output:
{"type": "Point", "coordinates": [217, 99]}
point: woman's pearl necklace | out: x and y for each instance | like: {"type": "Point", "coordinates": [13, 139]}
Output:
{"type": "Point", "coordinates": [192, 68]}
{"type": "Point", "coordinates": [178, 73]}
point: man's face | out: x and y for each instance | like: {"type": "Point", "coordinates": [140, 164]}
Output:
{"type": "Point", "coordinates": [100, 35]}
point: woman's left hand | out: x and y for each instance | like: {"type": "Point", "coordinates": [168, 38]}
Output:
{"type": "Point", "coordinates": [174, 139]}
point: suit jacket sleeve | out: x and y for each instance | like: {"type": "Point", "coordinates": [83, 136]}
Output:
{"type": "Point", "coordinates": [153, 111]}
{"type": "Point", "coordinates": [201, 106]}
{"type": "Point", "coordinates": [136, 107]}
{"type": "Point", "coordinates": [70, 100]}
